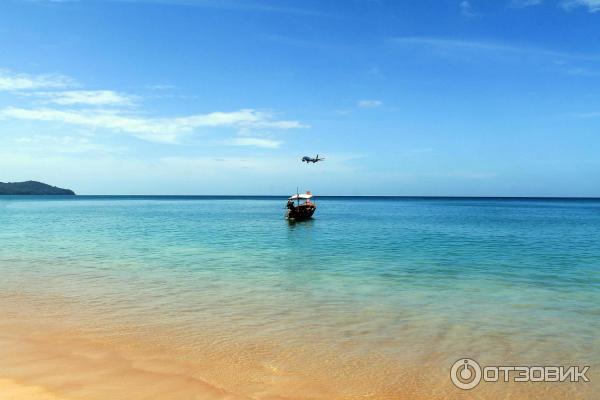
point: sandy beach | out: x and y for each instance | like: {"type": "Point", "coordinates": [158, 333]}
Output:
{"type": "Point", "coordinates": [45, 359]}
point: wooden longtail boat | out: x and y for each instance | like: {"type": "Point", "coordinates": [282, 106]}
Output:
{"type": "Point", "coordinates": [300, 207]}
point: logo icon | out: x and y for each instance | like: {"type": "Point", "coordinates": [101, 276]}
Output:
{"type": "Point", "coordinates": [465, 373]}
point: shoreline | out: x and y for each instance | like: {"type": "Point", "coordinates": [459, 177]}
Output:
{"type": "Point", "coordinates": [115, 299]}
{"type": "Point", "coordinates": [56, 361]}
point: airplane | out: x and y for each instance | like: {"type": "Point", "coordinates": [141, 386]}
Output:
{"type": "Point", "coordinates": [308, 159]}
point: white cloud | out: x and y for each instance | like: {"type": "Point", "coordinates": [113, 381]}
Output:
{"type": "Point", "coordinates": [525, 3]}
{"type": "Point", "coordinates": [466, 49]}
{"type": "Point", "coordinates": [153, 129]}
{"type": "Point", "coordinates": [456, 44]}
{"type": "Point", "coordinates": [109, 110]}
{"type": "Point", "coordinates": [582, 71]}
{"type": "Point", "coordinates": [10, 81]}
{"type": "Point", "coordinates": [448, 45]}
{"type": "Point", "coordinates": [592, 5]}
{"type": "Point", "coordinates": [256, 142]}
{"type": "Point", "coordinates": [69, 144]}
{"type": "Point", "coordinates": [369, 103]}
{"type": "Point", "coordinates": [161, 86]}
{"type": "Point", "coordinates": [89, 97]}
{"type": "Point", "coordinates": [465, 9]}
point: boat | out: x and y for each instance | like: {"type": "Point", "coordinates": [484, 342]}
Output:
{"type": "Point", "coordinates": [300, 207]}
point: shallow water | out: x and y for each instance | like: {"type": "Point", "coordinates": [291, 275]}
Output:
{"type": "Point", "coordinates": [378, 305]}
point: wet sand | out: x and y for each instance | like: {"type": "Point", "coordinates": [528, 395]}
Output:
{"type": "Point", "coordinates": [58, 358]}
{"type": "Point", "coordinates": [48, 362]}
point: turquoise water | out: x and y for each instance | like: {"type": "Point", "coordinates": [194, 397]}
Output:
{"type": "Point", "coordinates": [505, 280]}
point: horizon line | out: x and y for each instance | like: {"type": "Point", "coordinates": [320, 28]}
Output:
{"type": "Point", "coordinates": [317, 196]}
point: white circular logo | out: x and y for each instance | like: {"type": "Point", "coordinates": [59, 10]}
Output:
{"type": "Point", "coordinates": [465, 373]}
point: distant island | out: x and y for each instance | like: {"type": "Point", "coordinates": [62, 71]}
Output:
{"type": "Point", "coordinates": [32, 188]}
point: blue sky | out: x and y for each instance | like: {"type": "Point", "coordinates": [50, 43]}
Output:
{"type": "Point", "coordinates": [424, 97]}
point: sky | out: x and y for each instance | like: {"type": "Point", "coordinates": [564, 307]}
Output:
{"type": "Point", "coordinates": [423, 98]}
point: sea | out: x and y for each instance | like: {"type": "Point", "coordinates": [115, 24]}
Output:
{"type": "Point", "coordinates": [375, 297]}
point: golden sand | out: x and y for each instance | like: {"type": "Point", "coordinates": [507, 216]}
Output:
{"type": "Point", "coordinates": [41, 365]}
{"type": "Point", "coordinates": [55, 359]}
{"type": "Point", "coordinates": [12, 390]}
